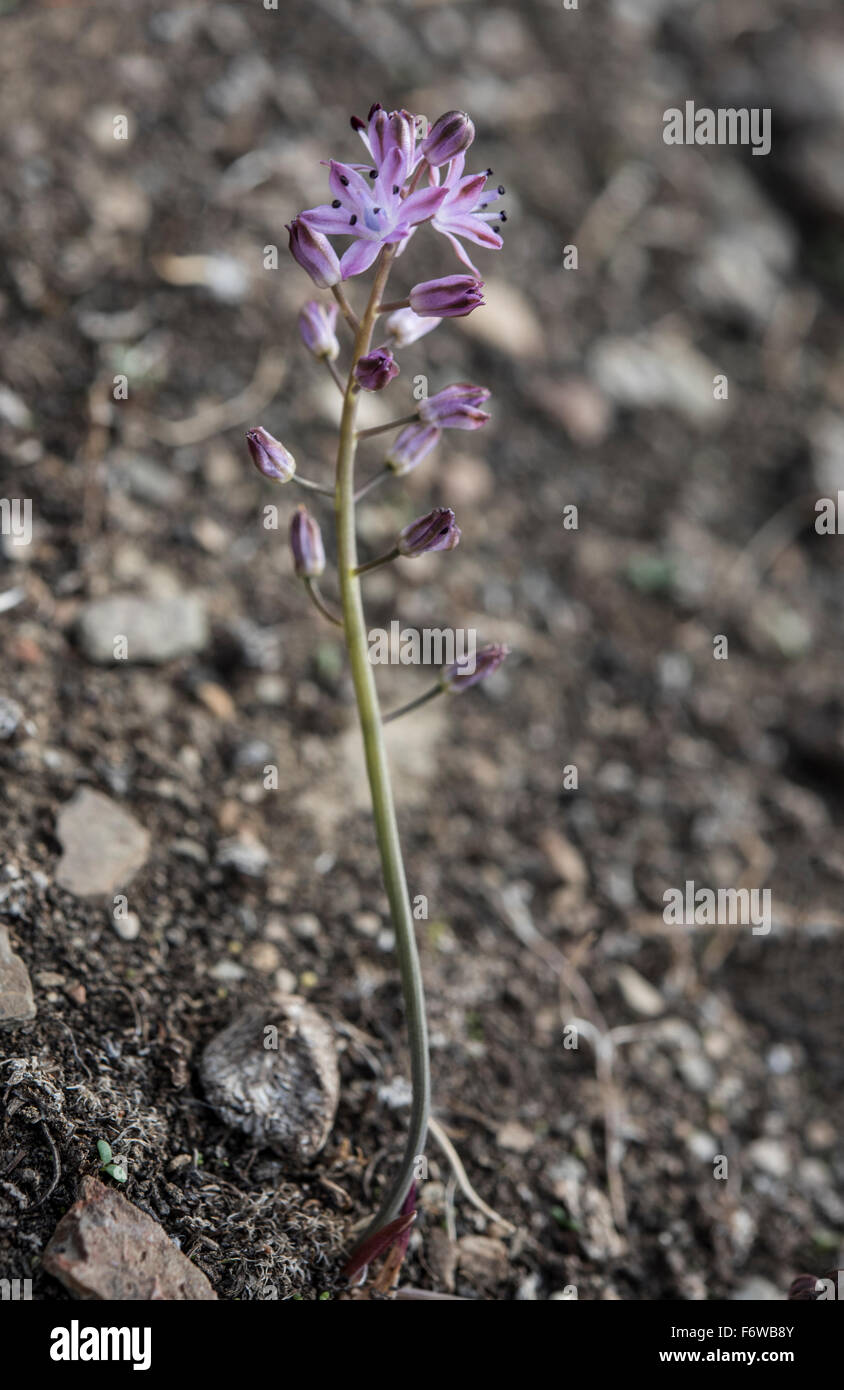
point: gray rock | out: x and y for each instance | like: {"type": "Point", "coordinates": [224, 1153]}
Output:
{"type": "Point", "coordinates": [104, 847]}
{"type": "Point", "coordinates": [11, 715]}
{"type": "Point", "coordinates": [244, 856]}
{"type": "Point", "coordinates": [283, 1097]}
{"type": "Point", "coordinates": [105, 1248]}
{"type": "Point", "coordinates": [156, 629]}
{"type": "Point", "coordinates": [147, 480]}
{"type": "Point", "coordinates": [17, 1003]}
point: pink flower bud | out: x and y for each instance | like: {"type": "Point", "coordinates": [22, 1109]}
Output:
{"type": "Point", "coordinates": [270, 456]}
{"type": "Point", "coordinates": [376, 370]}
{"type": "Point", "coordinates": [316, 325]}
{"type": "Point", "coordinates": [452, 297]}
{"type": "Point", "coordinates": [437, 530]}
{"type": "Point", "coordinates": [404, 327]}
{"type": "Point", "coordinates": [306, 544]}
{"type": "Point", "coordinates": [410, 447]}
{"type": "Point", "coordinates": [314, 253]}
{"type": "Point", "coordinates": [448, 137]}
{"type": "Point", "coordinates": [466, 673]}
{"type": "Point", "coordinates": [456, 407]}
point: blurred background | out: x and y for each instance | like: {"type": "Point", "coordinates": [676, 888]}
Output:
{"type": "Point", "coordinates": [144, 259]}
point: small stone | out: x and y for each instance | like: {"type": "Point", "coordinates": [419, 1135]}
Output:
{"type": "Point", "coordinates": [771, 1157]}
{"type": "Point", "coordinates": [483, 1260]}
{"type": "Point", "coordinates": [396, 1094]}
{"type": "Point", "coordinates": [306, 926]}
{"type": "Point", "coordinates": [216, 699]}
{"type": "Point", "coordinates": [508, 322]}
{"type": "Point", "coordinates": [641, 996]}
{"type": "Point", "coordinates": [655, 369]}
{"type": "Point", "coordinates": [105, 1248]}
{"type": "Point", "coordinates": [49, 979]}
{"type": "Point", "coordinates": [283, 1097]}
{"type": "Point", "coordinates": [702, 1146]}
{"type": "Point", "coordinates": [156, 630]}
{"type": "Point", "coordinates": [263, 956]}
{"type": "Point", "coordinates": [146, 480]}
{"type": "Point", "coordinates": [104, 846]}
{"type": "Point", "coordinates": [515, 1137]}
{"type": "Point", "coordinates": [17, 1002]}
{"type": "Point", "coordinates": [227, 972]}
{"type": "Point", "coordinates": [821, 1134]}
{"type": "Point", "coordinates": [11, 716]}
{"type": "Point", "coordinates": [247, 857]}
{"type": "Point", "coordinates": [582, 410]}
{"type": "Point", "coordinates": [128, 928]}
{"type": "Point", "coordinates": [367, 923]}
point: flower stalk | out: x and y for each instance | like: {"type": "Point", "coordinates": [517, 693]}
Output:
{"type": "Point", "coordinates": [386, 825]}
{"type": "Point", "coordinates": [379, 208]}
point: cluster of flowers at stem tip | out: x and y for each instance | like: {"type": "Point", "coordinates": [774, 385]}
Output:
{"type": "Point", "coordinates": [414, 174]}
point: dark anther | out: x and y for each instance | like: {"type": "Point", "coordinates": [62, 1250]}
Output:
{"type": "Point", "coordinates": [489, 173]}
{"type": "Point", "coordinates": [344, 180]}
{"type": "Point", "coordinates": [353, 219]}
{"type": "Point", "coordinates": [503, 216]}
{"type": "Point", "coordinates": [501, 188]}
{"type": "Point", "coordinates": [496, 229]}
{"type": "Point", "coordinates": [395, 188]}
{"type": "Point", "coordinates": [376, 210]}
{"type": "Point", "coordinates": [335, 202]}
{"type": "Point", "coordinates": [373, 173]}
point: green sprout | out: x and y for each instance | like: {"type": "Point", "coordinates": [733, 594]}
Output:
{"type": "Point", "coordinates": [115, 1167]}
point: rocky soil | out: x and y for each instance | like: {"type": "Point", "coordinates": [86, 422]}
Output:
{"type": "Point", "coordinates": [153, 890]}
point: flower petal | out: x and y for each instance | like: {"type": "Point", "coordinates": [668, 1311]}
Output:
{"type": "Point", "coordinates": [423, 204]}
{"type": "Point", "coordinates": [358, 258]}
{"type": "Point", "coordinates": [349, 186]}
{"type": "Point", "coordinates": [331, 221]}
{"type": "Point", "coordinates": [464, 198]}
{"type": "Point", "coordinates": [474, 229]}
{"type": "Point", "coordinates": [461, 250]}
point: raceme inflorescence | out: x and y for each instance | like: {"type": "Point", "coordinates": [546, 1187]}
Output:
{"type": "Point", "coordinates": [413, 175]}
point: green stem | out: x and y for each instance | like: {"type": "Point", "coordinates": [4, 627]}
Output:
{"type": "Point", "coordinates": [393, 425]}
{"type": "Point", "coordinates": [312, 487]}
{"type": "Point", "coordinates": [414, 704]}
{"type": "Point", "coordinates": [382, 560]}
{"type": "Point", "coordinates": [373, 482]}
{"type": "Point", "coordinates": [386, 827]}
{"type": "Point", "coordinates": [345, 308]}
{"type": "Point", "coordinates": [319, 602]}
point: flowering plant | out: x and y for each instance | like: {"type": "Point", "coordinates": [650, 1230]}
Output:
{"type": "Point", "coordinates": [414, 175]}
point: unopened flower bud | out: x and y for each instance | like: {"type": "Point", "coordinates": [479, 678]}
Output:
{"type": "Point", "coordinates": [437, 530]}
{"type": "Point", "coordinates": [314, 253]}
{"type": "Point", "coordinates": [405, 326]}
{"type": "Point", "coordinates": [452, 297]}
{"type": "Point", "coordinates": [376, 370]}
{"type": "Point", "coordinates": [470, 670]}
{"type": "Point", "coordinates": [270, 456]}
{"type": "Point", "coordinates": [456, 407]}
{"type": "Point", "coordinates": [316, 325]}
{"type": "Point", "coordinates": [410, 447]}
{"type": "Point", "coordinates": [448, 137]}
{"type": "Point", "coordinates": [306, 544]}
